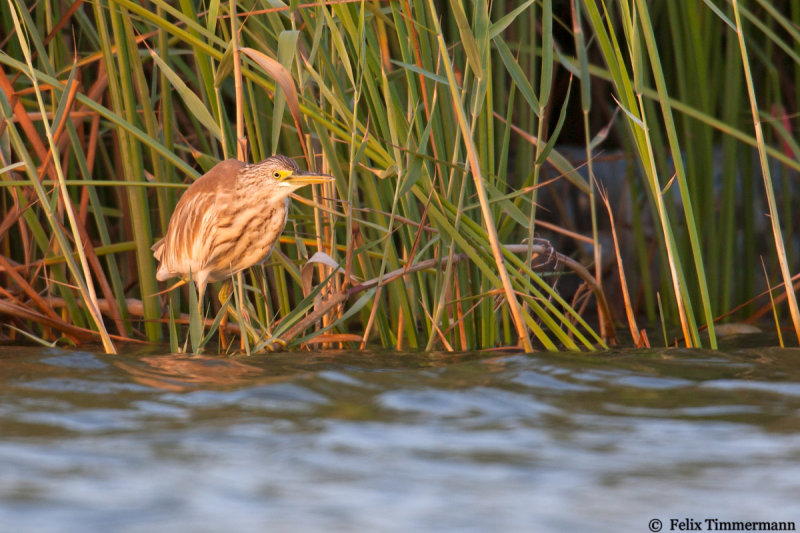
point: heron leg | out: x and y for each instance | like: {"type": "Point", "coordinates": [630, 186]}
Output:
{"type": "Point", "coordinates": [224, 292]}
{"type": "Point", "coordinates": [201, 280]}
{"type": "Point", "coordinates": [244, 320]}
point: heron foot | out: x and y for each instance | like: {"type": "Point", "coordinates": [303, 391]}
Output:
{"type": "Point", "coordinates": [275, 344]}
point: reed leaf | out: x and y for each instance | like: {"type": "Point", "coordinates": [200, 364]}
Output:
{"type": "Point", "coordinates": [448, 133]}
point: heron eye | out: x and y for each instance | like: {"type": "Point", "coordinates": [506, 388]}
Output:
{"type": "Point", "coordinates": [277, 175]}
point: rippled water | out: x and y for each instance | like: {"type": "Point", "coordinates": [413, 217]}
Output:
{"type": "Point", "coordinates": [396, 442]}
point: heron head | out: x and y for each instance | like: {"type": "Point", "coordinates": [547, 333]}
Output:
{"type": "Point", "coordinates": [288, 175]}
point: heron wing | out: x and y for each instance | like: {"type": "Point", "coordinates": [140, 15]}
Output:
{"type": "Point", "coordinates": [186, 247]}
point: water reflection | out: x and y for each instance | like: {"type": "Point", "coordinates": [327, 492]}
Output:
{"type": "Point", "coordinates": [179, 372]}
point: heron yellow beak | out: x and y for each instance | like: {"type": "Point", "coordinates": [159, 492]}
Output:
{"type": "Point", "coordinates": [302, 177]}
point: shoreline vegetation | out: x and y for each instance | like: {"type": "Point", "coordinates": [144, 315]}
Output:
{"type": "Point", "coordinates": [535, 174]}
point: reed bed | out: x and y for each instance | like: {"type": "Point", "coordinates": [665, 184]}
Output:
{"type": "Point", "coordinates": [527, 174]}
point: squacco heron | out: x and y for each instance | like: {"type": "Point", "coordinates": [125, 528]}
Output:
{"type": "Point", "coordinates": [229, 220]}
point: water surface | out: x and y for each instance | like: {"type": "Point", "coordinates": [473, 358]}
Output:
{"type": "Point", "coordinates": [396, 442]}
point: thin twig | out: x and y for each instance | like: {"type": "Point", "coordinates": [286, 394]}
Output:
{"type": "Point", "coordinates": [339, 298]}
